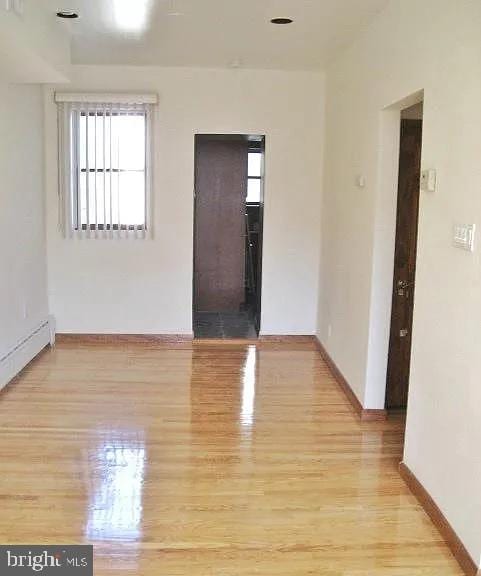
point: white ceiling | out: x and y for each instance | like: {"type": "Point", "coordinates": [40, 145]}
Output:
{"type": "Point", "coordinates": [214, 33]}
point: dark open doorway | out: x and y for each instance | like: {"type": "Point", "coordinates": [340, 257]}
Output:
{"type": "Point", "coordinates": [228, 224]}
{"type": "Point", "coordinates": [399, 358]}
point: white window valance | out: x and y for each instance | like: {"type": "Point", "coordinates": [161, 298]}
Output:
{"type": "Point", "coordinates": [105, 165]}
{"type": "Point", "coordinates": [106, 98]}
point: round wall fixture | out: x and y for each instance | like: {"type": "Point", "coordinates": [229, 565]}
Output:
{"type": "Point", "coordinates": [282, 21]}
{"type": "Point", "coordinates": [67, 14]}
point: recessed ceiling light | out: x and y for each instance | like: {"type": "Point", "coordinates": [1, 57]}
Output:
{"type": "Point", "coordinates": [282, 21]}
{"type": "Point", "coordinates": [132, 15]}
{"type": "Point", "coordinates": [68, 14]}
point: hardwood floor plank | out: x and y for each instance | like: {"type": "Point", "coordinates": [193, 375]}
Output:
{"type": "Point", "coordinates": [215, 459]}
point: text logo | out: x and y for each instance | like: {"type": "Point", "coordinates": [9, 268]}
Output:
{"type": "Point", "coordinates": [46, 560]}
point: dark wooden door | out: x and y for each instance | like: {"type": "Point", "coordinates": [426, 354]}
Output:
{"type": "Point", "coordinates": [220, 201]}
{"type": "Point", "coordinates": [404, 264]}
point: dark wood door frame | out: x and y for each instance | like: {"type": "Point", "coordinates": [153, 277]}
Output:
{"type": "Point", "coordinates": [261, 145]}
{"type": "Point", "coordinates": [397, 381]}
{"type": "Point", "coordinates": [261, 230]}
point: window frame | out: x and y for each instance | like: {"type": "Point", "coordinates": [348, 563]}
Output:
{"type": "Point", "coordinates": [76, 115]}
{"type": "Point", "coordinates": [259, 178]}
{"type": "Point", "coordinates": [70, 103]}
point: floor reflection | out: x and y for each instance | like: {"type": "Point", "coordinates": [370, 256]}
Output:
{"type": "Point", "coordinates": [117, 479]}
{"type": "Point", "coordinates": [249, 388]}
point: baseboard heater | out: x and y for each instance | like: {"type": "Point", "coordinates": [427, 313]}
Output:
{"type": "Point", "coordinates": [20, 355]}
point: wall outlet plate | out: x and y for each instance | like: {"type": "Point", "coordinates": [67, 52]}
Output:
{"type": "Point", "coordinates": [360, 181]}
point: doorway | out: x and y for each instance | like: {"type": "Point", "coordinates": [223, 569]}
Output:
{"type": "Point", "coordinates": [399, 355]}
{"type": "Point", "coordinates": [228, 226]}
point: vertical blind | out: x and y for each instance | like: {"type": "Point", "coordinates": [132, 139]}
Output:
{"type": "Point", "coordinates": [105, 166]}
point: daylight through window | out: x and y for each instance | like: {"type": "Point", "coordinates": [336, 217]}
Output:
{"type": "Point", "coordinates": [105, 182]}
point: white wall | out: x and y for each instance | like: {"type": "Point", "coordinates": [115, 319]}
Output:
{"type": "Point", "coordinates": [146, 286]}
{"type": "Point", "coordinates": [34, 48]}
{"type": "Point", "coordinates": [34, 45]}
{"type": "Point", "coordinates": [23, 281]}
{"type": "Point", "coordinates": [439, 52]}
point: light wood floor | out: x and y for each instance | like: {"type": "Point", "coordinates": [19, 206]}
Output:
{"type": "Point", "coordinates": [207, 460]}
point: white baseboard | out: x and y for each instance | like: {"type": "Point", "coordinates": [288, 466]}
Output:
{"type": "Point", "coordinates": [25, 351]}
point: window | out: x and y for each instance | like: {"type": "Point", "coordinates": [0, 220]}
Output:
{"type": "Point", "coordinates": [105, 168]}
{"type": "Point", "coordinates": [111, 187]}
{"type": "Point", "coordinates": [254, 178]}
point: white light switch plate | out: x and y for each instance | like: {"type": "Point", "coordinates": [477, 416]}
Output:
{"type": "Point", "coordinates": [428, 180]}
{"type": "Point", "coordinates": [463, 236]}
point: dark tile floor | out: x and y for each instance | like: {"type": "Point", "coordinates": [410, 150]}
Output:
{"type": "Point", "coordinates": [224, 325]}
